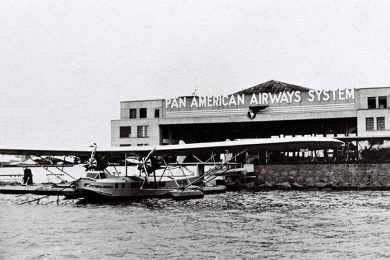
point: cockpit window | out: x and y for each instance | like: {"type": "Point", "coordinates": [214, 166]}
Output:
{"type": "Point", "coordinates": [93, 175]}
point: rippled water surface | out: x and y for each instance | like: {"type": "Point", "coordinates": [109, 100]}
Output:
{"type": "Point", "coordinates": [270, 225]}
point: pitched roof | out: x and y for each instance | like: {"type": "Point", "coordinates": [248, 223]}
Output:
{"type": "Point", "coordinates": [272, 86]}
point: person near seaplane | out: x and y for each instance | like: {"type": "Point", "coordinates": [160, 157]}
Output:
{"type": "Point", "coordinates": [27, 177]}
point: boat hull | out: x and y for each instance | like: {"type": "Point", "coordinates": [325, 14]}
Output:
{"type": "Point", "coordinates": [126, 188]}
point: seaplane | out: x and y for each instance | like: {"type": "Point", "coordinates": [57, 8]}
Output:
{"type": "Point", "coordinates": [151, 167]}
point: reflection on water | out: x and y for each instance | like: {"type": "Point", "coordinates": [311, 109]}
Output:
{"type": "Point", "coordinates": [271, 225]}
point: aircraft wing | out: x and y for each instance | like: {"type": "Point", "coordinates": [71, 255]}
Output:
{"type": "Point", "coordinates": [268, 144]}
{"type": "Point", "coordinates": [39, 151]}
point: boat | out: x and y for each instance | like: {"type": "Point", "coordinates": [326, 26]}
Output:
{"type": "Point", "coordinates": [99, 185]}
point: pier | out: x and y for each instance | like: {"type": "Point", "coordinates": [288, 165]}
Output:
{"type": "Point", "coordinates": [39, 189]}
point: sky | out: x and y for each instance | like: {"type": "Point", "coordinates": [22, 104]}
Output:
{"type": "Point", "coordinates": [65, 65]}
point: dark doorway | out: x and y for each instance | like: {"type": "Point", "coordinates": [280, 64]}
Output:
{"type": "Point", "coordinates": [192, 133]}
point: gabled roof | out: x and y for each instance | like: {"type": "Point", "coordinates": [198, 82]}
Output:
{"type": "Point", "coordinates": [272, 86]}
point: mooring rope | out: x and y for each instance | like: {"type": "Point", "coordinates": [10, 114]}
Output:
{"type": "Point", "coordinates": [37, 199]}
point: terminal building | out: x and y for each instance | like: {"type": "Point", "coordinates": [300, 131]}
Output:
{"type": "Point", "coordinates": [266, 110]}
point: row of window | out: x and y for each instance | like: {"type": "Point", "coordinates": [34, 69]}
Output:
{"type": "Point", "coordinates": [130, 144]}
{"type": "Point", "coordinates": [143, 113]}
{"type": "Point", "coordinates": [380, 123]}
{"type": "Point", "coordinates": [131, 185]}
{"type": "Point", "coordinates": [377, 102]}
{"type": "Point", "coordinates": [134, 185]}
{"type": "Point", "coordinates": [125, 131]}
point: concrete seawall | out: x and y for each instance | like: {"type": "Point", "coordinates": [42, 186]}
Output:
{"type": "Point", "coordinates": [321, 176]}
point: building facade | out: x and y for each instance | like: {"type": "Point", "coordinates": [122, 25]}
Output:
{"type": "Point", "coordinates": [269, 109]}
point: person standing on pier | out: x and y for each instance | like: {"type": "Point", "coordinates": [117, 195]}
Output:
{"type": "Point", "coordinates": [27, 177]}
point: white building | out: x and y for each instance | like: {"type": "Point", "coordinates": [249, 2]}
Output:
{"type": "Point", "coordinates": [268, 109]}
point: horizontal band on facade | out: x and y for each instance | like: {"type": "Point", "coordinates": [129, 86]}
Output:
{"type": "Point", "coordinates": [243, 111]}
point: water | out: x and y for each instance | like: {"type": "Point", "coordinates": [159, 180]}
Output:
{"type": "Point", "coordinates": [266, 225]}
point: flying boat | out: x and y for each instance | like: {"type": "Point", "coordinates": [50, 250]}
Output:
{"type": "Point", "coordinates": [151, 167]}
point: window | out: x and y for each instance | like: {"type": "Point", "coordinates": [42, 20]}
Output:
{"type": "Point", "coordinates": [157, 113]}
{"type": "Point", "coordinates": [142, 144]}
{"type": "Point", "coordinates": [369, 123]}
{"type": "Point", "coordinates": [124, 131]}
{"type": "Point", "coordinates": [380, 123]}
{"type": "Point", "coordinates": [132, 113]}
{"type": "Point", "coordinates": [382, 102]}
{"type": "Point", "coordinates": [142, 131]}
{"type": "Point", "coordinates": [125, 145]}
{"type": "Point", "coordinates": [371, 102]}
{"type": "Point", "coordinates": [142, 113]}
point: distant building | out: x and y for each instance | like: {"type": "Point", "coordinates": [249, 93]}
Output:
{"type": "Point", "coordinates": [269, 109]}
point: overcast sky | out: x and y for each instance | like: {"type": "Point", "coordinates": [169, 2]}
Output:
{"type": "Point", "coordinates": [65, 65]}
